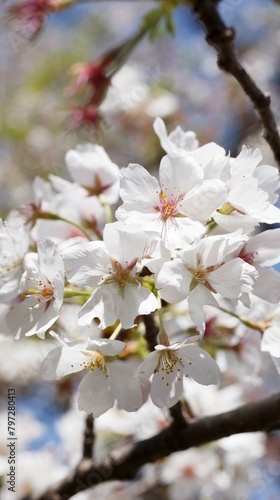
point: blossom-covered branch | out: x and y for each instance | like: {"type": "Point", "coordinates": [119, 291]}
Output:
{"type": "Point", "coordinates": [186, 238]}
{"type": "Point", "coordinates": [221, 38]}
{"type": "Point", "coordinates": [260, 416]}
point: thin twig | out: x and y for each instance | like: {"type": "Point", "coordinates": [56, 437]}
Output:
{"type": "Point", "coordinates": [151, 330]}
{"type": "Point", "coordinates": [221, 37]}
{"type": "Point", "coordinates": [88, 437]}
{"type": "Point", "coordinates": [176, 413]}
{"type": "Point", "coordinates": [253, 417]}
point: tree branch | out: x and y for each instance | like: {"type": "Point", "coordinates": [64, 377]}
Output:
{"type": "Point", "coordinates": [152, 330]}
{"type": "Point", "coordinates": [123, 465]}
{"type": "Point", "coordinates": [221, 37]}
{"type": "Point", "coordinates": [88, 437]}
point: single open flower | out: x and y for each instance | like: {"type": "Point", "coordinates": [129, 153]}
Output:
{"type": "Point", "coordinates": [168, 365]}
{"type": "Point", "coordinates": [177, 206]}
{"type": "Point", "coordinates": [90, 167]}
{"type": "Point", "coordinates": [107, 378]}
{"type": "Point", "coordinates": [14, 244]}
{"type": "Point", "coordinates": [203, 271]}
{"type": "Point", "coordinates": [40, 297]}
{"type": "Point", "coordinates": [111, 267]}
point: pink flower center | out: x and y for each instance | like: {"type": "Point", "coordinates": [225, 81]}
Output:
{"type": "Point", "coordinates": [248, 257]}
{"type": "Point", "coordinates": [169, 204]}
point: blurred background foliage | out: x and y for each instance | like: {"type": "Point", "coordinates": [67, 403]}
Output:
{"type": "Point", "coordinates": [173, 77]}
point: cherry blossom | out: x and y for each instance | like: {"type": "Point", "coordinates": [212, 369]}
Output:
{"type": "Point", "coordinates": [90, 166]}
{"type": "Point", "coordinates": [107, 378]}
{"type": "Point", "coordinates": [211, 157]}
{"type": "Point", "coordinates": [61, 208]}
{"type": "Point", "coordinates": [251, 192]}
{"type": "Point", "coordinates": [173, 240]}
{"type": "Point", "coordinates": [177, 206]}
{"type": "Point", "coordinates": [14, 244]}
{"type": "Point", "coordinates": [111, 267]}
{"type": "Point", "coordinates": [40, 297]}
{"type": "Point", "coordinates": [201, 271]}
{"type": "Point", "coordinates": [263, 321]}
{"type": "Point", "coordinates": [169, 363]}
{"type": "Point", "coordinates": [177, 139]}
{"type": "Point", "coordinates": [262, 250]}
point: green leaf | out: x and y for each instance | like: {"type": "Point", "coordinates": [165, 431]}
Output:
{"type": "Point", "coordinates": [159, 21]}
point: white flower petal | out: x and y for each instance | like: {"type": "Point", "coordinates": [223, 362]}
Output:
{"type": "Point", "coordinates": [208, 153]}
{"type": "Point", "coordinates": [14, 243]}
{"type": "Point", "coordinates": [136, 300]}
{"type": "Point", "coordinates": [199, 365]}
{"type": "Point", "coordinates": [24, 321]}
{"type": "Point", "coordinates": [235, 221]}
{"type": "Point", "coordinates": [50, 263]}
{"type": "Point", "coordinates": [271, 341]}
{"type": "Point", "coordinates": [199, 297]}
{"type": "Point", "coordinates": [177, 231]}
{"type": "Point", "coordinates": [147, 368]}
{"type": "Point", "coordinates": [104, 303]}
{"type": "Point", "coordinates": [62, 361]}
{"type": "Point", "coordinates": [90, 166]}
{"type": "Point", "coordinates": [173, 281]}
{"type": "Point", "coordinates": [137, 185]}
{"type": "Point", "coordinates": [148, 218]}
{"type": "Point", "coordinates": [94, 393]}
{"type": "Point", "coordinates": [122, 245]}
{"type": "Point", "coordinates": [248, 198]}
{"type": "Point", "coordinates": [176, 139]}
{"type": "Point", "coordinates": [244, 165]}
{"type": "Point", "coordinates": [183, 140]}
{"type": "Point", "coordinates": [233, 278]}
{"type": "Point", "coordinates": [204, 200]}
{"type": "Point", "coordinates": [165, 392]}
{"type": "Point", "coordinates": [267, 286]}
{"type": "Point", "coordinates": [107, 347]}
{"type": "Point", "coordinates": [265, 247]}
{"type": "Point", "coordinates": [160, 130]}
{"type": "Point", "coordinates": [86, 264]}
{"type": "Point", "coordinates": [268, 177]}
{"type": "Point", "coordinates": [271, 215]}
{"type": "Point", "coordinates": [179, 174]}
{"type": "Point", "coordinates": [126, 388]}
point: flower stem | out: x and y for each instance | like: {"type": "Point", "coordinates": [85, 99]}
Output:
{"type": "Point", "coordinates": [116, 331]}
{"type": "Point", "coordinates": [52, 216]}
{"type": "Point", "coordinates": [255, 325]}
{"type": "Point", "coordinates": [160, 314]}
{"type": "Point", "coordinates": [70, 292]}
{"type": "Point", "coordinates": [162, 336]}
{"type": "Point", "coordinates": [209, 227]}
{"type": "Point", "coordinates": [107, 208]}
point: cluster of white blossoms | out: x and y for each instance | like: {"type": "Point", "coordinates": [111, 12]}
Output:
{"type": "Point", "coordinates": [182, 244]}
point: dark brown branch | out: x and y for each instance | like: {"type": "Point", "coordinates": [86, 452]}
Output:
{"type": "Point", "coordinates": [221, 37]}
{"type": "Point", "coordinates": [88, 437]}
{"type": "Point", "coordinates": [253, 417]}
{"type": "Point", "coordinates": [177, 415]}
{"type": "Point", "coordinates": [151, 331]}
